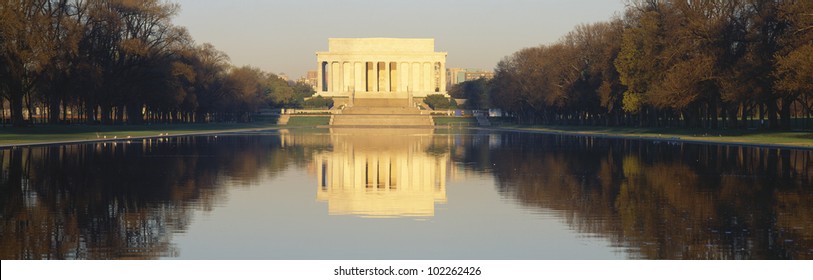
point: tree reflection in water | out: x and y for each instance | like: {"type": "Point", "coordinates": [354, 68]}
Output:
{"type": "Point", "coordinates": [666, 200]}
{"type": "Point", "coordinates": [122, 200]}
{"type": "Point", "coordinates": [663, 200]}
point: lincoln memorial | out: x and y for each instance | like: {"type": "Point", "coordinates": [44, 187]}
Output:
{"type": "Point", "coordinates": [380, 68]}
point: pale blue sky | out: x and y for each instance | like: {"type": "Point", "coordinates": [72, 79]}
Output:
{"type": "Point", "coordinates": [283, 35]}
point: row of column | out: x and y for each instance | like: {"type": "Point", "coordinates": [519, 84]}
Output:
{"type": "Point", "coordinates": [345, 76]}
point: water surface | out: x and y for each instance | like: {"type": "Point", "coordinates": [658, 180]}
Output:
{"type": "Point", "coordinates": [404, 194]}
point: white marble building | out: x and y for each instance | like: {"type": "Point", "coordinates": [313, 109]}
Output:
{"type": "Point", "coordinates": [380, 68]}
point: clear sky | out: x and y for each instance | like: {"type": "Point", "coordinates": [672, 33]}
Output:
{"type": "Point", "coordinates": [283, 35]}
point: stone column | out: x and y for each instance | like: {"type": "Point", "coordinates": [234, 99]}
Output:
{"type": "Point", "coordinates": [333, 75]}
{"type": "Point", "coordinates": [341, 77]}
{"type": "Point", "coordinates": [428, 76]}
{"type": "Point", "coordinates": [360, 73]}
{"type": "Point", "coordinates": [347, 67]}
{"type": "Point", "coordinates": [395, 78]}
{"type": "Point", "coordinates": [375, 76]}
{"type": "Point", "coordinates": [403, 75]}
{"type": "Point", "coordinates": [415, 78]}
{"type": "Point", "coordinates": [387, 78]}
{"type": "Point", "coordinates": [369, 74]}
{"type": "Point", "coordinates": [342, 74]}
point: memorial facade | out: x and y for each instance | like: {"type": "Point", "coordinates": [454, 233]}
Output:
{"type": "Point", "coordinates": [380, 68]}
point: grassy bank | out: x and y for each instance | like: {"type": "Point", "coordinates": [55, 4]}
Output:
{"type": "Point", "coordinates": [64, 133]}
{"type": "Point", "coordinates": [454, 121]}
{"type": "Point", "coordinates": [308, 120]}
{"type": "Point", "coordinates": [751, 137]}
{"type": "Point", "coordinates": [61, 133]}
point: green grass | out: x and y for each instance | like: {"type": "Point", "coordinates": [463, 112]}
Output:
{"type": "Point", "coordinates": [756, 137]}
{"type": "Point", "coordinates": [308, 120]}
{"type": "Point", "coordinates": [455, 121]}
{"type": "Point", "coordinates": [499, 121]}
{"type": "Point", "coordinates": [60, 133]}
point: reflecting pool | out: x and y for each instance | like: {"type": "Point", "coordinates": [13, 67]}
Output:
{"type": "Point", "coordinates": [356, 193]}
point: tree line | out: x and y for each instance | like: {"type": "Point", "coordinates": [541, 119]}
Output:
{"type": "Point", "coordinates": [121, 61]}
{"type": "Point", "coordinates": [704, 64]}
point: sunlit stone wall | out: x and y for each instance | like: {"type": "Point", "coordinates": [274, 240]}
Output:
{"type": "Point", "coordinates": [381, 68]}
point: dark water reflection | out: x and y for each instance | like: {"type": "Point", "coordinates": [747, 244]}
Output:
{"type": "Point", "coordinates": [140, 199]}
{"type": "Point", "coordinates": [666, 200]}
{"type": "Point", "coordinates": [122, 200]}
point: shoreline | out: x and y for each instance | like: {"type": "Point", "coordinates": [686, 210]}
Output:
{"type": "Point", "coordinates": [185, 131]}
{"type": "Point", "coordinates": [664, 138]}
{"type": "Point", "coordinates": [116, 138]}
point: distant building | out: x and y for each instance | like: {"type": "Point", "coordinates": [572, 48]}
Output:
{"type": "Point", "coordinates": [459, 75]}
{"type": "Point", "coordinates": [311, 79]}
{"type": "Point", "coordinates": [477, 74]}
{"type": "Point", "coordinates": [455, 76]}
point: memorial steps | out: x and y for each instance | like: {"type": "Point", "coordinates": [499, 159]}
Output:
{"type": "Point", "coordinates": [381, 112]}
{"type": "Point", "coordinates": [382, 120]}
{"type": "Point", "coordinates": [381, 102]}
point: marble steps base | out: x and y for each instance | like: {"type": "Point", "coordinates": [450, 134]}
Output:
{"type": "Point", "coordinates": [381, 111]}
{"type": "Point", "coordinates": [391, 120]}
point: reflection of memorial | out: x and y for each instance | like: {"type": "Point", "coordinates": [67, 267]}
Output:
{"type": "Point", "coordinates": [381, 173]}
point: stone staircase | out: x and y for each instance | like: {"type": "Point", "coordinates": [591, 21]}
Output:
{"type": "Point", "coordinates": [381, 112]}
{"type": "Point", "coordinates": [381, 120]}
{"type": "Point", "coordinates": [381, 102]}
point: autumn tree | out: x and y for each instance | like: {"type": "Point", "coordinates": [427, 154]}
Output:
{"type": "Point", "coordinates": [517, 84]}
{"type": "Point", "coordinates": [246, 92]}
{"type": "Point", "coordinates": [562, 83]}
{"type": "Point", "coordinates": [591, 82]}
{"type": "Point", "coordinates": [113, 61]}
{"type": "Point", "coordinates": [610, 89]}
{"type": "Point", "coordinates": [640, 62]}
{"type": "Point", "coordinates": [25, 50]}
{"type": "Point", "coordinates": [208, 88]}
{"type": "Point", "coordinates": [794, 69]}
